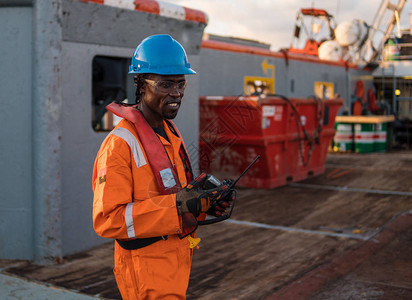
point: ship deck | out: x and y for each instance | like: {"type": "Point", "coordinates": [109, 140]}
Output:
{"type": "Point", "coordinates": [346, 234]}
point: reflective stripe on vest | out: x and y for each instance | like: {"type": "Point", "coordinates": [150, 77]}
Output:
{"type": "Point", "coordinates": [134, 145]}
{"type": "Point", "coordinates": [167, 178]}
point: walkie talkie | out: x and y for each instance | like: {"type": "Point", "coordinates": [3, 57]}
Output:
{"type": "Point", "coordinates": [212, 182]}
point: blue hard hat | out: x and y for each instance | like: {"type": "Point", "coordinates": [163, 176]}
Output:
{"type": "Point", "coordinates": [160, 54]}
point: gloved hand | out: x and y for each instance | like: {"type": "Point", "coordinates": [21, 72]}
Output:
{"type": "Point", "coordinates": [187, 200]}
{"type": "Point", "coordinates": [220, 207]}
{"type": "Point", "coordinates": [196, 200]}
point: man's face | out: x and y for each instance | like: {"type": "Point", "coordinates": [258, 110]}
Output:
{"type": "Point", "coordinates": [162, 97]}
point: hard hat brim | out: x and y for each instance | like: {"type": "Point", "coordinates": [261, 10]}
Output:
{"type": "Point", "coordinates": [177, 70]}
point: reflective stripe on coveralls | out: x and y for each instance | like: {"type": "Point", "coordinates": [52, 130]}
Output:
{"type": "Point", "coordinates": [128, 216]}
{"type": "Point", "coordinates": [129, 138]}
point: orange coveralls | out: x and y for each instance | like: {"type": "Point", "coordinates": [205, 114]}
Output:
{"type": "Point", "coordinates": [127, 204]}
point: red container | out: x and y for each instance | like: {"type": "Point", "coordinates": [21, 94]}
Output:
{"type": "Point", "coordinates": [292, 136]}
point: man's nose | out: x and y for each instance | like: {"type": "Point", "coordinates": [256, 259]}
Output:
{"type": "Point", "coordinates": [175, 92]}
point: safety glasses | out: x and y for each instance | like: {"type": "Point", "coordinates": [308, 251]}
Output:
{"type": "Point", "coordinates": [165, 86]}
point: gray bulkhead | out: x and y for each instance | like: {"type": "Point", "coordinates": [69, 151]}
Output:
{"type": "Point", "coordinates": [16, 207]}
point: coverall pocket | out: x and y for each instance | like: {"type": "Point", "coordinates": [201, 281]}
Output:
{"type": "Point", "coordinates": [162, 271]}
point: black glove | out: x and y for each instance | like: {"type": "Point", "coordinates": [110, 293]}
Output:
{"type": "Point", "coordinates": [220, 207]}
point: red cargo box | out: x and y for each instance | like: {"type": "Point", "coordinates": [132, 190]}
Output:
{"type": "Point", "coordinates": [292, 136]}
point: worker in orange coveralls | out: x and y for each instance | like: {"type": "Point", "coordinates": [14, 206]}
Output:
{"type": "Point", "coordinates": [145, 196]}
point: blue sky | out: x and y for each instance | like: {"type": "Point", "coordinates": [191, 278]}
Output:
{"type": "Point", "coordinates": [272, 21]}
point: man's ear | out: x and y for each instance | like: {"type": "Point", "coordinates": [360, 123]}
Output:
{"type": "Point", "coordinates": [142, 86]}
{"type": "Point", "coordinates": [140, 83]}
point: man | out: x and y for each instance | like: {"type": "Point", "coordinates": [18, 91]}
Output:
{"type": "Point", "coordinates": [144, 193]}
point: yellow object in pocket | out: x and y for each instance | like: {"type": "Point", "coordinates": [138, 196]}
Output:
{"type": "Point", "coordinates": [193, 242]}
